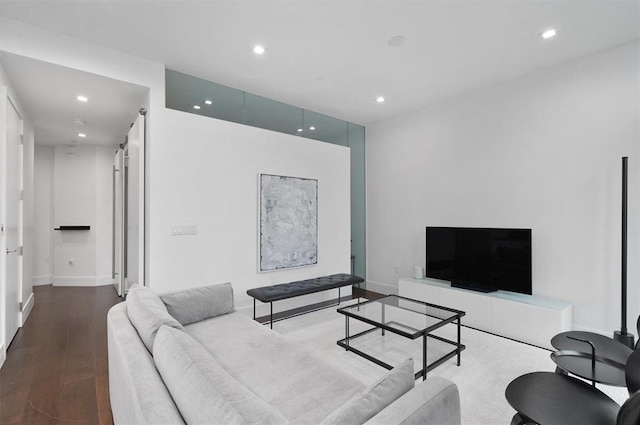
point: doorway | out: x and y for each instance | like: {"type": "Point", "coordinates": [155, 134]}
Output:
{"type": "Point", "coordinates": [77, 120]}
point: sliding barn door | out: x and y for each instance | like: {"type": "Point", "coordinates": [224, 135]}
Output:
{"type": "Point", "coordinates": [118, 223]}
{"type": "Point", "coordinates": [134, 221]}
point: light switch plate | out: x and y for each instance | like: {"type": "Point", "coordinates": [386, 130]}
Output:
{"type": "Point", "coordinates": [184, 229]}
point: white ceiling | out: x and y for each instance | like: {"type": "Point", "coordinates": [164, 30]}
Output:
{"type": "Point", "coordinates": [451, 46]}
{"type": "Point", "coordinates": [48, 93]}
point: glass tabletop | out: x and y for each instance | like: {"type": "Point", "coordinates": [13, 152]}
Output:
{"type": "Point", "coordinates": [405, 316]}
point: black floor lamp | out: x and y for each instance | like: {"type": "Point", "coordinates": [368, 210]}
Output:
{"type": "Point", "coordinates": [622, 335]}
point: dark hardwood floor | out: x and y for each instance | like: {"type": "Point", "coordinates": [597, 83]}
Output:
{"type": "Point", "coordinates": [56, 370]}
{"type": "Point", "coordinates": [56, 367]}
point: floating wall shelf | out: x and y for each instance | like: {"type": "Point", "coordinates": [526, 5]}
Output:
{"type": "Point", "coordinates": [73, 228]}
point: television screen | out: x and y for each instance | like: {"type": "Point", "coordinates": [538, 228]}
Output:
{"type": "Point", "coordinates": [479, 258]}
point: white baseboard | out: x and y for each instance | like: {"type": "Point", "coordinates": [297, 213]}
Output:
{"type": "Point", "coordinates": [381, 288]}
{"type": "Point", "coordinates": [82, 280]}
{"type": "Point", "coordinates": [42, 280]}
{"type": "Point", "coordinates": [104, 280]}
{"type": "Point", "coordinates": [3, 355]}
{"type": "Point", "coordinates": [26, 309]}
{"type": "Point", "coordinates": [595, 331]}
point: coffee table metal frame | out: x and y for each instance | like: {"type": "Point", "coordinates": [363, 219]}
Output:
{"type": "Point", "coordinates": [425, 333]}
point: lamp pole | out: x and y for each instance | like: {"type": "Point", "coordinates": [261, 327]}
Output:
{"type": "Point", "coordinates": [622, 335]}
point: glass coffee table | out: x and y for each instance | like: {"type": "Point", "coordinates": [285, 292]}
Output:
{"type": "Point", "coordinates": [405, 317]}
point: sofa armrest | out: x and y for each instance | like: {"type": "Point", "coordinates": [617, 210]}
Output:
{"type": "Point", "coordinates": [434, 401]}
{"type": "Point", "coordinates": [136, 390]}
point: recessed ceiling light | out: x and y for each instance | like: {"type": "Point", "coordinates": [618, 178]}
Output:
{"type": "Point", "coordinates": [380, 99]}
{"type": "Point", "coordinates": [258, 49]}
{"type": "Point", "coordinates": [79, 122]}
{"type": "Point", "coordinates": [82, 135]}
{"type": "Point", "coordinates": [82, 98]}
{"type": "Point", "coordinates": [312, 128]}
{"type": "Point", "coordinates": [208, 102]}
{"type": "Point", "coordinates": [196, 106]}
{"type": "Point", "coordinates": [396, 40]}
{"type": "Point", "coordinates": [300, 130]}
{"type": "Point", "coordinates": [550, 33]}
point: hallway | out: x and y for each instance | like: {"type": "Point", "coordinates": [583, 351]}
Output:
{"type": "Point", "coordinates": [56, 370]}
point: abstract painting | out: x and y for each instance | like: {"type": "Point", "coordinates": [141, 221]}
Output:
{"type": "Point", "coordinates": [288, 222]}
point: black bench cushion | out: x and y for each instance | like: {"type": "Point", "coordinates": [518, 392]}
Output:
{"type": "Point", "coordinates": [283, 291]}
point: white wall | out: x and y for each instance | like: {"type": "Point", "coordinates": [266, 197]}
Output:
{"type": "Point", "coordinates": [209, 177]}
{"type": "Point", "coordinates": [74, 188]}
{"type": "Point", "coordinates": [186, 156]}
{"type": "Point", "coordinates": [43, 215]}
{"type": "Point", "coordinates": [82, 188]}
{"type": "Point", "coordinates": [540, 152]}
{"type": "Point", "coordinates": [104, 212]}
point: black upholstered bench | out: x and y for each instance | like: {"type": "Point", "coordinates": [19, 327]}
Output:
{"type": "Point", "coordinates": [283, 291]}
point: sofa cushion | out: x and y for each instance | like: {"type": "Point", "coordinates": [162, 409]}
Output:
{"type": "Point", "coordinates": [292, 378]}
{"type": "Point", "coordinates": [147, 313]}
{"type": "Point", "coordinates": [202, 390]}
{"type": "Point", "coordinates": [196, 304]}
{"type": "Point", "coordinates": [366, 405]}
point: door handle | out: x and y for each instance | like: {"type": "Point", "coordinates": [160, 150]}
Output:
{"type": "Point", "coordinates": [9, 251]}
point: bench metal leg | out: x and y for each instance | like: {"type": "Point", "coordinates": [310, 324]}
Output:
{"type": "Point", "coordinates": [254, 309]}
{"type": "Point", "coordinates": [271, 319]}
{"type": "Point", "coordinates": [346, 331]}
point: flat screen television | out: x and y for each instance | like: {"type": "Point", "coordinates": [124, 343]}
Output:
{"type": "Point", "coordinates": [479, 258]}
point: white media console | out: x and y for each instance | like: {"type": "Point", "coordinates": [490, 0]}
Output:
{"type": "Point", "coordinates": [527, 318]}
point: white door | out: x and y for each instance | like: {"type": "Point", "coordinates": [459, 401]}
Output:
{"type": "Point", "coordinates": [12, 222]}
{"type": "Point", "coordinates": [118, 222]}
{"type": "Point", "coordinates": [134, 178]}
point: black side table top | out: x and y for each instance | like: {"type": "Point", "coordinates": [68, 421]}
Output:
{"type": "Point", "coordinates": [575, 357]}
{"type": "Point", "coordinates": [605, 347]}
{"type": "Point", "coordinates": [549, 398]}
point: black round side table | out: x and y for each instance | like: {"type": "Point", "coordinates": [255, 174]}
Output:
{"type": "Point", "coordinates": [591, 356]}
{"type": "Point", "coordinates": [549, 398]}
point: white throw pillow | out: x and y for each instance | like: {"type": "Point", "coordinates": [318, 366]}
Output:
{"type": "Point", "coordinates": [196, 304]}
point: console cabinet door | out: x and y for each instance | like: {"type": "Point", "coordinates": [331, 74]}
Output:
{"type": "Point", "coordinates": [477, 307]}
{"type": "Point", "coordinates": [419, 291]}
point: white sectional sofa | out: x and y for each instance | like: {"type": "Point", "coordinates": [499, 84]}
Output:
{"type": "Point", "coordinates": [188, 357]}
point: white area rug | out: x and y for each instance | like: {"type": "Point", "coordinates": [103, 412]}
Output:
{"type": "Point", "coordinates": [489, 362]}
